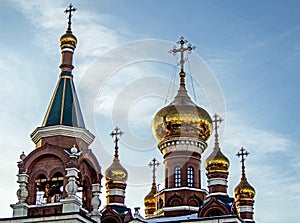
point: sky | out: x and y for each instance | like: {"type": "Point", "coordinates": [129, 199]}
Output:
{"type": "Point", "coordinates": [245, 68]}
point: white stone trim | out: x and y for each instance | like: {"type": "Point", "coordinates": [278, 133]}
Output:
{"type": "Point", "coordinates": [246, 208]}
{"type": "Point", "coordinates": [217, 181]}
{"type": "Point", "coordinates": [115, 191]}
{"type": "Point", "coordinates": [217, 194]}
{"type": "Point", "coordinates": [119, 204]}
{"type": "Point", "coordinates": [182, 144]}
{"type": "Point", "coordinates": [67, 49]}
{"type": "Point", "coordinates": [177, 208]}
{"type": "Point", "coordinates": [81, 133]}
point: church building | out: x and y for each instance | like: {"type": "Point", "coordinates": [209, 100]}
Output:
{"type": "Point", "coordinates": [60, 180]}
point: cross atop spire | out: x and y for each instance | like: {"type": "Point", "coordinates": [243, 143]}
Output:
{"type": "Point", "coordinates": [217, 119]}
{"type": "Point", "coordinates": [69, 11]}
{"type": "Point", "coordinates": [116, 133]}
{"type": "Point", "coordinates": [153, 164]}
{"type": "Point", "coordinates": [243, 153]}
{"type": "Point", "coordinates": [181, 50]}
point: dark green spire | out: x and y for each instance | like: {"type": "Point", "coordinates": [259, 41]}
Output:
{"type": "Point", "coordinates": [64, 108]}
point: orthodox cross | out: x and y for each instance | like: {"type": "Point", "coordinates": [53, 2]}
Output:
{"type": "Point", "coordinates": [243, 153]}
{"type": "Point", "coordinates": [116, 133]}
{"type": "Point", "coordinates": [217, 119]}
{"type": "Point", "coordinates": [69, 10]}
{"type": "Point", "coordinates": [182, 49]}
{"type": "Point", "coordinates": [153, 164]}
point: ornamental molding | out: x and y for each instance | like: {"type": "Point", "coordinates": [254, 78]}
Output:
{"type": "Point", "coordinates": [182, 144]}
{"type": "Point", "coordinates": [62, 130]}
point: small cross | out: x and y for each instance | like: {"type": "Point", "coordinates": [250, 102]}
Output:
{"type": "Point", "coordinates": [217, 119]}
{"type": "Point", "coordinates": [116, 133]}
{"type": "Point", "coordinates": [243, 153]}
{"type": "Point", "coordinates": [153, 164]}
{"type": "Point", "coordinates": [182, 49]}
{"type": "Point", "coordinates": [69, 10]}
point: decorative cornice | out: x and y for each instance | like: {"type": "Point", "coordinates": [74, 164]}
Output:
{"type": "Point", "coordinates": [182, 144]}
{"type": "Point", "coordinates": [62, 130]}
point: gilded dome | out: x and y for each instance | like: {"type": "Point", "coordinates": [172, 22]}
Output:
{"type": "Point", "coordinates": [217, 161]}
{"type": "Point", "coordinates": [182, 117]}
{"type": "Point", "coordinates": [116, 173]}
{"type": "Point", "coordinates": [149, 198]}
{"type": "Point", "coordinates": [244, 191]}
{"type": "Point", "coordinates": [68, 40]}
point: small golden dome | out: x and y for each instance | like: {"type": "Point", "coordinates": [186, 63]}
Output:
{"type": "Point", "coordinates": [244, 191]}
{"type": "Point", "coordinates": [182, 117]}
{"type": "Point", "coordinates": [68, 40]}
{"type": "Point", "coordinates": [217, 161]}
{"type": "Point", "coordinates": [149, 198]}
{"type": "Point", "coordinates": [116, 173]}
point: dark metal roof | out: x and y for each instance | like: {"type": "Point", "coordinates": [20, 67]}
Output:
{"type": "Point", "coordinates": [64, 108]}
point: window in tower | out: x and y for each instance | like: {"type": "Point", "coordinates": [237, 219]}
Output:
{"type": "Point", "coordinates": [177, 177]}
{"type": "Point", "coordinates": [190, 176]}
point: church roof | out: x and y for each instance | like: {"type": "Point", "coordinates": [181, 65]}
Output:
{"type": "Point", "coordinates": [64, 108]}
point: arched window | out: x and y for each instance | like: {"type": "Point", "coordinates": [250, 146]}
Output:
{"type": "Point", "coordinates": [177, 177]}
{"type": "Point", "coordinates": [190, 176]}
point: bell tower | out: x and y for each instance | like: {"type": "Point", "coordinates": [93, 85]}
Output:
{"type": "Point", "coordinates": [61, 175]}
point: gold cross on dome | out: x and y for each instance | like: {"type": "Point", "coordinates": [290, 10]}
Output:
{"type": "Point", "coordinates": [181, 50]}
{"type": "Point", "coordinates": [116, 133]}
{"type": "Point", "coordinates": [153, 164]}
{"type": "Point", "coordinates": [217, 119]}
{"type": "Point", "coordinates": [69, 10]}
{"type": "Point", "coordinates": [243, 153]}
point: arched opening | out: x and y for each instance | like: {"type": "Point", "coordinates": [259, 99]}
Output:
{"type": "Point", "coordinates": [56, 187]}
{"type": "Point", "coordinates": [49, 191]}
{"type": "Point", "coordinates": [40, 185]}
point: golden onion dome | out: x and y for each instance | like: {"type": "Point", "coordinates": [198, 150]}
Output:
{"type": "Point", "coordinates": [244, 191]}
{"type": "Point", "coordinates": [149, 199]}
{"type": "Point", "coordinates": [217, 161]}
{"type": "Point", "coordinates": [116, 173]}
{"type": "Point", "coordinates": [68, 40]}
{"type": "Point", "coordinates": [182, 117]}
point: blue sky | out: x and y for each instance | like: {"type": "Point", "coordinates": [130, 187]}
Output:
{"type": "Point", "coordinates": [251, 48]}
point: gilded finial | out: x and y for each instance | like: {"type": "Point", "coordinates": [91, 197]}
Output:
{"type": "Point", "coordinates": [217, 119]}
{"type": "Point", "coordinates": [182, 49]}
{"type": "Point", "coordinates": [153, 164]}
{"type": "Point", "coordinates": [69, 11]}
{"type": "Point", "coordinates": [116, 133]}
{"type": "Point", "coordinates": [243, 153]}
